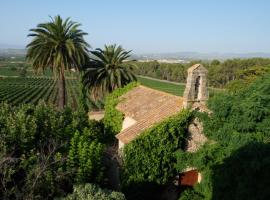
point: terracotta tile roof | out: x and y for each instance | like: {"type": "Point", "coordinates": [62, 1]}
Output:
{"type": "Point", "coordinates": [148, 107]}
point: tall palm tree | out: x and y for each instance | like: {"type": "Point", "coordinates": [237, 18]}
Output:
{"type": "Point", "coordinates": [58, 45]}
{"type": "Point", "coordinates": [106, 71]}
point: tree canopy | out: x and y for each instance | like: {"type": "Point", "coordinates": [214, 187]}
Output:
{"type": "Point", "coordinates": [58, 45]}
{"type": "Point", "coordinates": [106, 72]}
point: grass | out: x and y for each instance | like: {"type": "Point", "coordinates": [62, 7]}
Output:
{"type": "Point", "coordinates": [171, 88]}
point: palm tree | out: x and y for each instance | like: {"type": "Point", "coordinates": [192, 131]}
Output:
{"type": "Point", "coordinates": [58, 45]}
{"type": "Point", "coordinates": [106, 71]}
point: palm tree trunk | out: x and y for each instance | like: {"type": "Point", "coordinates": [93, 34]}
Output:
{"type": "Point", "coordinates": [61, 90]}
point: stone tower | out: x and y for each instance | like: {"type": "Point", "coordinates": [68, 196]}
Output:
{"type": "Point", "coordinates": [196, 88]}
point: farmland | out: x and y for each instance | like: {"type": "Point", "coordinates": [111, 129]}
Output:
{"type": "Point", "coordinates": [173, 88]}
{"type": "Point", "coordinates": [30, 90]}
{"type": "Point", "coordinates": [18, 90]}
{"type": "Point", "coordinates": [170, 87]}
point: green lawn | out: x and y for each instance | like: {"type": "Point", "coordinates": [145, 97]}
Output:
{"type": "Point", "coordinates": [163, 86]}
{"type": "Point", "coordinates": [172, 88]}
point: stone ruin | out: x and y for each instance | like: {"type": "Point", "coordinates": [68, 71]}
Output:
{"type": "Point", "coordinates": [195, 97]}
{"type": "Point", "coordinates": [196, 92]}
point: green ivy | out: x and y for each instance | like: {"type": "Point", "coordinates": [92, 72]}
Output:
{"type": "Point", "coordinates": [150, 157]}
{"type": "Point", "coordinates": [113, 118]}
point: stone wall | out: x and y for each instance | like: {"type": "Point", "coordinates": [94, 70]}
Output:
{"type": "Point", "coordinates": [196, 86]}
{"type": "Point", "coordinates": [196, 138]}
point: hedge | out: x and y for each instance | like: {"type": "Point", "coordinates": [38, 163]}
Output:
{"type": "Point", "coordinates": [113, 118]}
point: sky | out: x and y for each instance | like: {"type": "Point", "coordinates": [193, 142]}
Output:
{"type": "Point", "coordinates": [149, 26]}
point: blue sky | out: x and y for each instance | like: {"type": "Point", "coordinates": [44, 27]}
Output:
{"type": "Point", "coordinates": [149, 26]}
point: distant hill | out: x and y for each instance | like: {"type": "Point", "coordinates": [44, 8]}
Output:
{"type": "Point", "coordinates": [17, 50]}
{"type": "Point", "coordinates": [12, 52]}
{"type": "Point", "coordinates": [198, 56]}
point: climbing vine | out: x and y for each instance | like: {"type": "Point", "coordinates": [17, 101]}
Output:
{"type": "Point", "coordinates": [150, 158]}
{"type": "Point", "coordinates": [113, 118]}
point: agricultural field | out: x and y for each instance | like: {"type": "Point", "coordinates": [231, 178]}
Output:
{"type": "Point", "coordinates": [30, 90]}
{"type": "Point", "coordinates": [33, 87]}
{"type": "Point", "coordinates": [172, 88]}
{"type": "Point", "coordinates": [18, 90]}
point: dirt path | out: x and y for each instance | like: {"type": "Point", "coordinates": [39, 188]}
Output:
{"type": "Point", "coordinates": [113, 168]}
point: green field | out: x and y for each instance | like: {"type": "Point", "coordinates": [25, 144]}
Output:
{"type": "Point", "coordinates": [34, 87]}
{"type": "Point", "coordinates": [30, 90]}
{"type": "Point", "coordinates": [171, 88]}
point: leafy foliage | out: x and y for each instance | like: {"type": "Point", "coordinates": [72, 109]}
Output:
{"type": "Point", "coordinates": [113, 118]}
{"type": "Point", "coordinates": [93, 192]}
{"type": "Point", "coordinates": [237, 154]}
{"type": "Point", "coordinates": [246, 77]}
{"type": "Point", "coordinates": [230, 168]}
{"type": "Point", "coordinates": [59, 45]}
{"type": "Point", "coordinates": [150, 157]}
{"type": "Point", "coordinates": [190, 194]}
{"type": "Point", "coordinates": [106, 72]}
{"type": "Point", "coordinates": [34, 148]}
{"type": "Point", "coordinates": [220, 73]}
{"type": "Point", "coordinates": [84, 158]}
{"type": "Point", "coordinates": [244, 114]}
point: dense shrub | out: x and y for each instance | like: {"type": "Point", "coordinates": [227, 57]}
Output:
{"type": "Point", "coordinates": [246, 77]}
{"type": "Point", "coordinates": [34, 146]}
{"type": "Point", "coordinates": [241, 115]}
{"type": "Point", "coordinates": [237, 155]}
{"type": "Point", "coordinates": [93, 192]}
{"type": "Point", "coordinates": [113, 118]}
{"type": "Point", "coordinates": [150, 157]}
{"type": "Point", "coordinates": [230, 172]}
{"type": "Point", "coordinates": [190, 194]}
{"type": "Point", "coordinates": [84, 158]}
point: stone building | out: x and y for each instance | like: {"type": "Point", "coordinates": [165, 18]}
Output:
{"type": "Point", "coordinates": [144, 107]}
{"type": "Point", "coordinates": [196, 87]}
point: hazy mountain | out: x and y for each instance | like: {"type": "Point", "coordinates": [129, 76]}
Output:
{"type": "Point", "coordinates": [12, 52]}
{"type": "Point", "coordinates": [19, 50]}
{"type": "Point", "coordinates": [200, 56]}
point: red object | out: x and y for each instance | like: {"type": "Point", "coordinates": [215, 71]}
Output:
{"type": "Point", "coordinates": [189, 178]}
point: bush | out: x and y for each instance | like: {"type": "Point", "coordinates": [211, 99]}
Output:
{"type": "Point", "coordinates": [84, 159]}
{"type": "Point", "coordinates": [237, 154]}
{"type": "Point", "coordinates": [93, 192]}
{"type": "Point", "coordinates": [242, 115]}
{"type": "Point", "coordinates": [113, 118]}
{"type": "Point", "coordinates": [34, 147]}
{"type": "Point", "coordinates": [190, 194]}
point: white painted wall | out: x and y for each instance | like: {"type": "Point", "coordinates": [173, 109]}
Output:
{"type": "Point", "coordinates": [128, 121]}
